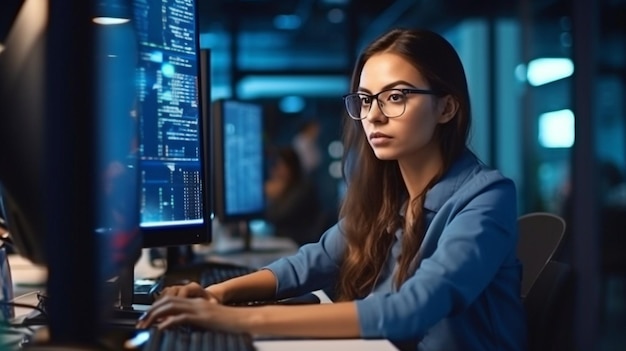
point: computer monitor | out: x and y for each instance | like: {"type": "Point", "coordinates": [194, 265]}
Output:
{"type": "Point", "coordinates": [68, 159]}
{"type": "Point", "coordinates": [239, 162]}
{"type": "Point", "coordinates": [174, 157]}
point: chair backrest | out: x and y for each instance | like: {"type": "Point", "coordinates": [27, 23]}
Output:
{"type": "Point", "coordinates": [549, 309]}
{"type": "Point", "coordinates": [540, 234]}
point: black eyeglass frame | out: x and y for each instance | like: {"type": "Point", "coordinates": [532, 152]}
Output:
{"type": "Point", "coordinates": [404, 91]}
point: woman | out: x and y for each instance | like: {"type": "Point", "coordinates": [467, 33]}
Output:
{"type": "Point", "coordinates": [424, 252]}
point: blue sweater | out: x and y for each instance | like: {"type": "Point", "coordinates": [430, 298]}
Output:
{"type": "Point", "coordinates": [465, 295]}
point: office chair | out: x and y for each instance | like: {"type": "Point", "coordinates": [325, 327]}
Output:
{"type": "Point", "coordinates": [549, 308]}
{"type": "Point", "coordinates": [540, 234]}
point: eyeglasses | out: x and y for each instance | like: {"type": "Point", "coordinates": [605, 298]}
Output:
{"type": "Point", "coordinates": [391, 102]}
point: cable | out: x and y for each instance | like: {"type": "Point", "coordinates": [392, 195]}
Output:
{"type": "Point", "coordinates": [41, 319]}
{"type": "Point", "coordinates": [26, 321]}
{"type": "Point", "coordinates": [23, 305]}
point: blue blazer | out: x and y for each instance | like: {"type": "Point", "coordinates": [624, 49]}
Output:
{"type": "Point", "coordinates": [465, 294]}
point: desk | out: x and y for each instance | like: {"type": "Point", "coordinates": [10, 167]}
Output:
{"type": "Point", "coordinates": [263, 250]}
{"type": "Point", "coordinates": [28, 279]}
{"type": "Point", "coordinates": [325, 345]}
{"type": "Point", "coordinates": [27, 295]}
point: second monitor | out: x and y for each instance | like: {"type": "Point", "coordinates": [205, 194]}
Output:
{"type": "Point", "coordinates": [238, 163]}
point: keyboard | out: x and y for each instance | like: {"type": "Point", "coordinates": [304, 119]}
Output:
{"type": "Point", "coordinates": [213, 273]}
{"type": "Point", "coordinates": [189, 339]}
{"type": "Point", "coordinates": [216, 274]}
{"type": "Point", "coordinates": [208, 273]}
{"type": "Point", "coordinates": [205, 273]}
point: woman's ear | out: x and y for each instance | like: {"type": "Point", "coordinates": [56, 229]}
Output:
{"type": "Point", "coordinates": [448, 106]}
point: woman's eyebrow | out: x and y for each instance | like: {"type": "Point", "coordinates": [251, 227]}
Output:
{"type": "Point", "coordinates": [388, 86]}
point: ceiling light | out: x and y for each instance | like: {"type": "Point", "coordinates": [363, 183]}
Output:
{"type": "Point", "coordinates": [106, 21]}
{"type": "Point", "coordinates": [288, 22]}
{"type": "Point", "coordinates": [251, 87]}
{"type": "Point", "coordinates": [292, 104]}
{"type": "Point", "coordinates": [545, 70]}
{"type": "Point", "coordinates": [556, 129]}
{"type": "Point", "coordinates": [111, 12]}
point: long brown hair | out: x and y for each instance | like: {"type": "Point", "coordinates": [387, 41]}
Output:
{"type": "Point", "coordinates": [371, 208]}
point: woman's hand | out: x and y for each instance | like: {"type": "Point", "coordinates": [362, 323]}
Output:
{"type": "Point", "coordinates": [170, 311]}
{"type": "Point", "coordinates": [328, 320]}
{"type": "Point", "coordinates": [190, 290]}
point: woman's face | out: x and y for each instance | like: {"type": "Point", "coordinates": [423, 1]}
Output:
{"type": "Point", "coordinates": [410, 134]}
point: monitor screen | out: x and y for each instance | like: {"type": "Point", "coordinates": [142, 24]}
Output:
{"type": "Point", "coordinates": [174, 158]}
{"type": "Point", "coordinates": [239, 160]}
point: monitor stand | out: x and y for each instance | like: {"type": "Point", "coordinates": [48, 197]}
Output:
{"type": "Point", "coordinates": [179, 256]}
{"type": "Point", "coordinates": [233, 237]}
{"type": "Point", "coordinates": [246, 235]}
{"type": "Point", "coordinates": [236, 237]}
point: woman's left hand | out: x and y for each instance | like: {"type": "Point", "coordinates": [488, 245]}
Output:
{"type": "Point", "coordinates": [171, 311]}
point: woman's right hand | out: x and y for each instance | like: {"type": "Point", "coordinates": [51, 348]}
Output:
{"type": "Point", "coordinates": [190, 290]}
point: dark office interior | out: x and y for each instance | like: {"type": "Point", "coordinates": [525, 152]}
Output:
{"type": "Point", "coordinates": [575, 172]}
{"type": "Point", "coordinates": [547, 78]}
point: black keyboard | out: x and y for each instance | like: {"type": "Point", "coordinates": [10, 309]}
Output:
{"type": "Point", "coordinates": [186, 338]}
{"type": "Point", "coordinates": [205, 273]}
{"type": "Point", "coordinates": [217, 274]}
{"type": "Point", "coordinates": [212, 273]}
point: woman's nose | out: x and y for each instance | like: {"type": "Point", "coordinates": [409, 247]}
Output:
{"type": "Point", "coordinates": [375, 114]}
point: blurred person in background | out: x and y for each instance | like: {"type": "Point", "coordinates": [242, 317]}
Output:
{"type": "Point", "coordinates": [293, 206]}
{"type": "Point", "coordinates": [306, 145]}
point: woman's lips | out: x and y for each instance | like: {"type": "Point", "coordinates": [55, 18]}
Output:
{"type": "Point", "coordinates": [378, 139]}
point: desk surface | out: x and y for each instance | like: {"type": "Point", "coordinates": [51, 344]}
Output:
{"type": "Point", "coordinates": [24, 274]}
